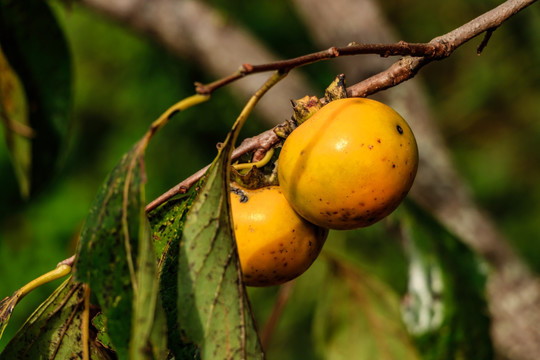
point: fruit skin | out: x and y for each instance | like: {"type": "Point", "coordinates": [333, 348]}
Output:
{"type": "Point", "coordinates": [275, 245]}
{"type": "Point", "coordinates": [349, 165]}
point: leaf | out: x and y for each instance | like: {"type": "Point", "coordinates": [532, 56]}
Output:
{"type": "Point", "coordinates": [167, 223]}
{"type": "Point", "coordinates": [358, 317]}
{"type": "Point", "coordinates": [445, 307]}
{"type": "Point", "coordinates": [214, 313]}
{"type": "Point", "coordinates": [149, 333]}
{"type": "Point", "coordinates": [53, 331]}
{"type": "Point", "coordinates": [36, 48]}
{"type": "Point", "coordinates": [14, 116]}
{"type": "Point", "coordinates": [213, 310]}
{"type": "Point", "coordinates": [108, 248]}
{"type": "Point", "coordinates": [6, 309]}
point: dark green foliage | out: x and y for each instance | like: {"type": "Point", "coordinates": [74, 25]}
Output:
{"type": "Point", "coordinates": [36, 48]}
{"type": "Point", "coordinates": [167, 224]}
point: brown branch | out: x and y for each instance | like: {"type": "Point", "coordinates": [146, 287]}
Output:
{"type": "Point", "coordinates": [407, 68]}
{"type": "Point", "coordinates": [402, 48]}
{"type": "Point", "coordinates": [418, 55]}
{"type": "Point", "coordinates": [262, 142]}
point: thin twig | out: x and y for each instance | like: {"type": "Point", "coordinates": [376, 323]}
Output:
{"type": "Point", "coordinates": [400, 48]}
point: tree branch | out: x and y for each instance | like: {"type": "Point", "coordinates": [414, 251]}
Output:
{"type": "Point", "coordinates": [407, 68]}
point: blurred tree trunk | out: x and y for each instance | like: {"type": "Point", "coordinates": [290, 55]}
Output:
{"type": "Point", "coordinates": [195, 31]}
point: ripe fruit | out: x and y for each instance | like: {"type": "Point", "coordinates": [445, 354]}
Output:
{"type": "Point", "coordinates": [349, 165]}
{"type": "Point", "coordinates": [275, 245]}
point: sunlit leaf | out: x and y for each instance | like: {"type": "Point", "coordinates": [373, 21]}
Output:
{"type": "Point", "coordinates": [445, 307]}
{"type": "Point", "coordinates": [214, 313]}
{"type": "Point", "coordinates": [358, 317]}
{"type": "Point", "coordinates": [35, 47]}
{"type": "Point", "coordinates": [213, 310]}
{"type": "Point", "coordinates": [108, 248]}
{"type": "Point", "coordinates": [54, 330]}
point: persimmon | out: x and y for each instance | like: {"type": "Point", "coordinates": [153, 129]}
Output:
{"type": "Point", "coordinates": [274, 243]}
{"type": "Point", "coordinates": [349, 165]}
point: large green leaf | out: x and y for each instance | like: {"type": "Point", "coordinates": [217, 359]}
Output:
{"type": "Point", "coordinates": [445, 307]}
{"type": "Point", "coordinates": [213, 309]}
{"type": "Point", "coordinates": [107, 255]}
{"type": "Point", "coordinates": [35, 47]}
{"type": "Point", "coordinates": [358, 317]}
{"type": "Point", "coordinates": [54, 330]}
{"type": "Point", "coordinates": [167, 224]}
{"type": "Point", "coordinates": [214, 313]}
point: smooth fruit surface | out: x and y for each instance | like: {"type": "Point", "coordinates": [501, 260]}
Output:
{"type": "Point", "coordinates": [275, 245]}
{"type": "Point", "coordinates": [349, 165]}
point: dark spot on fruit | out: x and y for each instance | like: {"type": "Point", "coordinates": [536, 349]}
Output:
{"type": "Point", "coordinates": [285, 264]}
{"type": "Point", "coordinates": [399, 129]}
{"type": "Point", "coordinates": [393, 166]}
{"type": "Point", "coordinates": [379, 141]}
{"type": "Point", "coordinates": [370, 147]}
{"type": "Point", "coordinates": [293, 230]}
{"type": "Point", "coordinates": [243, 197]}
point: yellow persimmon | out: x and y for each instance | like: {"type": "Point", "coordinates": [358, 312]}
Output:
{"type": "Point", "coordinates": [349, 165]}
{"type": "Point", "coordinates": [275, 245]}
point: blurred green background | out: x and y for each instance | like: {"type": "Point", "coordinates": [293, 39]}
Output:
{"type": "Point", "coordinates": [487, 107]}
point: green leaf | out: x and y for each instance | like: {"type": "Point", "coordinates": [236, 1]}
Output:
{"type": "Point", "coordinates": [149, 333]}
{"type": "Point", "coordinates": [14, 117]}
{"type": "Point", "coordinates": [445, 307]}
{"type": "Point", "coordinates": [358, 317]}
{"type": "Point", "coordinates": [167, 224]}
{"type": "Point", "coordinates": [34, 45]}
{"type": "Point", "coordinates": [214, 313]}
{"type": "Point", "coordinates": [213, 309]}
{"type": "Point", "coordinates": [54, 330]}
{"type": "Point", "coordinates": [108, 248]}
